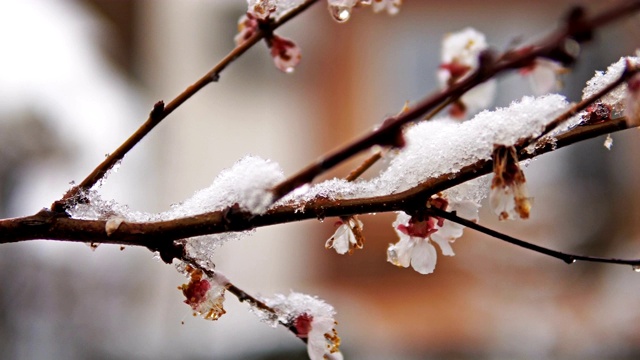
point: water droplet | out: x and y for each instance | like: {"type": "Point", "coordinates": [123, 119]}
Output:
{"type": "Point", "coordinates": [392, 256]}
{"type": "Point", "coordinates": [340, 13]}
{"type": "Point", "coordinates": [636, 268]}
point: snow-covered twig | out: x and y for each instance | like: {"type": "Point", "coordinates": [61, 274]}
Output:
{"type": "Point", "coordinates": [577, 29]}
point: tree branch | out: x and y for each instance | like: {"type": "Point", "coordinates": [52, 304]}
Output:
{"type": "Point", "coordinates": [577, 28]}
{"type": "Point", "coordinates": [161, 111]}
{"type": "Point", "coordinates": [566, 257]}
{"type": "Point", "coordinates": [157, 235]}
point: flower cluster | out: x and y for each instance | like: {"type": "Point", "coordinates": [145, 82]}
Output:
{"type": "Point", "coordinates": [348, 236]}
{"type": "Point", "coordinates": [312, 320]}
{"type": "Point", "coordinates": [285, 53]}
{"type": "Point", "coordinates": [460, 54]}
{"type": "Point", "coordinates": [509, 196]}
{"type": "Point", "coordinates": [416, 232]}
{"type": "Point", "coordinates": [203, 294]}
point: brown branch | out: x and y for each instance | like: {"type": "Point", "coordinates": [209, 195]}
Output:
{"type": "Point", "coordinates": [628, 72]}
{"type": "Point", "coordinates": [159, 236]}
{"type": "Point", "coordinates": [371, 160]}
{"type": "Point", "coordinates": [576, 28]}
{"type": "Point", "coordinates": [161, 111]}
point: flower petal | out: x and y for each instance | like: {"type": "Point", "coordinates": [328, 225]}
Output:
{"type": "Point", "coordinates": [423, 257]}
{"type": "Point", "coordinates": [444, 243]}
{"type": "Point", "coordinates": [340, 239]}
{"type": "Point", "coordinates": [399, 254]}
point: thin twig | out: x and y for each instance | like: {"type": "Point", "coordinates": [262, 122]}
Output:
{"type": "Point", "coordinates": [161, 111]}
{"type": "Point", "coordinates": [389, 132]}
{"type": "Point", "coordinates": [629, 71]}
{"type": "Point", "coordinates": [55, 226]}
{"type": "Point", "coordinates": [242, 295]}
{"type": "Point", "coordinates": [371, 160]}
{"type": "Point", "coordinates": [566, 257]}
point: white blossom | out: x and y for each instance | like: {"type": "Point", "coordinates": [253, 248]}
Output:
{"type": "Point", "coordinates": [460, 53]}
{"type": "Point", "coordinates": [544, 75]}
{"type": "Point", "coordinates": [348, 236]}
{"type": "Point", "coordinates": [417, 232]}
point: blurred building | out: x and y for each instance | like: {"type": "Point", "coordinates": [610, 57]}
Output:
{"type": "Point", "coordinates": [82, 75]}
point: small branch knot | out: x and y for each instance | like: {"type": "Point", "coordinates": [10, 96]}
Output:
{"type": "Point", "coordinates": [157, 113]}
{"type": "Point", "coordinates": [168, 250]}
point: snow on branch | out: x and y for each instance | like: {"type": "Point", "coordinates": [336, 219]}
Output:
{"type": "Point", "coordinates": [434, 179]}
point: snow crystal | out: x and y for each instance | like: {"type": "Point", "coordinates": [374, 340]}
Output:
{"type": "Point", "coordinates": [247, 184]}
{"type": "Point", "coordinates": [471, 191]}
{"type": "Point", "coordinates": [313, 320]}
{"type": "Point", "coordinates": [445, 146]}
{"type": "Point", "coordinates": [608, 142]}
{"type": "Point", "coordinates": [617, 97]}
{"type": "Point", "coordinates": [288, 307]}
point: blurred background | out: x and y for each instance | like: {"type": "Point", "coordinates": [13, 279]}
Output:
{"type": "Point", "coordinates": [78, 76]}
